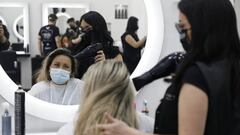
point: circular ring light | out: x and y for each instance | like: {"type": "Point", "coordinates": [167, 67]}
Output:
{"type": "Point", "coordinates": [15, 27]}
{"type": "Point", "coordinates": [63, 14]}
{"type": "Point", "coordinates": [61, 113]}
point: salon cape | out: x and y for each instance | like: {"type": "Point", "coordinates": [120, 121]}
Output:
{"type": "Point", "coordinates": [68, 94]}
{"type": "Point", "coordinates": [145, 124]}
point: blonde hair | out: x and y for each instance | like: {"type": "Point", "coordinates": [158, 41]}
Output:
{"type": "Point", "coordinates": [108, 88]}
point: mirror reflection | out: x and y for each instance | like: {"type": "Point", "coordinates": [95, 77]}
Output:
{"type": "Point", "coordinates": [14, 39]}
{"type": "Point", "coordinates": [90, 36]}
{"type": "Point", "coordinates": [16, 12]}
{"type": "Point", "coordinates": [68, 16]}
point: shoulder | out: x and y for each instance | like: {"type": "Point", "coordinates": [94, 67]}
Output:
{"type": "Point", "coordinates": [38, 87]}
{"type": "Point", "coordinates": [76, 81]}
{"type": "Point", "coordinates": [194, 76]}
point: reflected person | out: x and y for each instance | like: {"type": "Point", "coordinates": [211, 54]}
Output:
{"type": "Point", "coordinates": [71, 34]}
{"type": "Point", "coordinates": [204, 96]}
{"type": "Point", "coordinates": [4, 37]}
{"type": "Point", "coordinates": [132, 45]}
{"type": "Point", "coordinates": [49, 37]}
{"type": "Point", "coordinates": [94, 26]}
{"type": "Point", "coordinates": [56, 82]}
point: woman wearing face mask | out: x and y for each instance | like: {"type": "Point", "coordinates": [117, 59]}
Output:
{"type": "Point", "coordinates": [132, 46]}
{"type": "Point", "coordinates": [204, 96]}
{"type": "Point", "coordinates": [56, 82]}
{"type": "Point", "coordinates": [95, 31]}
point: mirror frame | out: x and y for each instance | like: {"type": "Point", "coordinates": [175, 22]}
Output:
{"type": "Point", "coordinates": [63, 113]}
{"type": "Point", "coordinates": [25, 15]}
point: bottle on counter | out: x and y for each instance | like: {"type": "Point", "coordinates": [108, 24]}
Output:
{"type": "Point", "coordinates": [145, 108]}
{"type": "Point", "coordinates": [6, 120]}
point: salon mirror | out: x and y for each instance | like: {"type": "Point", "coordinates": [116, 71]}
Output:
{"type": "Point", "coordinates": [15, 17]}
{"type": "Point", "coordinates": [155, 29]}
{"type": "Point", "coordinates": [116, 26]}
{"type": "Point", "coordinates": [64, 11]}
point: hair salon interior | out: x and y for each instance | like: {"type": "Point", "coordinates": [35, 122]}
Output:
{"type": "Point", "coordinates": [74, 67]}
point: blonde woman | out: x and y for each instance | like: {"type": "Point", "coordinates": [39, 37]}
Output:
{"type": "Point", "coordinates": [107, 88]}
{"type": "Point", "coordinates": [56, 82]}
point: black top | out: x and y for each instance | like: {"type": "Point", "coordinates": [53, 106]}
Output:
{"type": "Point", "coordinates": [110, 52]}
{"type": "Point", "coordinates": [4, 46]}
{"type": "Point", "coordinates": [131, 55]}
{"type": "Point", "coordinates": [214, 80]}
{"type": "Point", "coordinates": [48, 34]}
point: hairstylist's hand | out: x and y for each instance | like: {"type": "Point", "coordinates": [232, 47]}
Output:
{"type": "Point", "coordinates": [100, 56]}
{"type": "Point", "coordinates": [115, 127]}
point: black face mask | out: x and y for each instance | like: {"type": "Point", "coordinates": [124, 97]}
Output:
{"type": "Point", "coordinates": [186, 43]}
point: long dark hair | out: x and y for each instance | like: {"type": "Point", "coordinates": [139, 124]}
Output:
{"type": "Point", "coordinates": [100, 32]}
{"type": "Point", "coordinates": [214, 35]}
{"type": "Point", "coordinates": [132, 25]}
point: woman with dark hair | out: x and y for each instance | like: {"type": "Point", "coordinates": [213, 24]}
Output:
{"type": "Point", "coordinates": [56, 82]}
{"type": "Point", "coordinates": [204, 97]}
{"type": "Point", "coordinates": [131, 44]}
{"type": "Point", "coordinates": [95, 31]}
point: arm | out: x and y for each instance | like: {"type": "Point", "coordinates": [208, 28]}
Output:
{"type": "Point", "coordinates": [136, 44]}
{"type": "Point", "coordinates": [40, 46]}
{"type": "Point", "coordinates": [58, 42]}
{"type": "Point", "coordinates": [77, 40]}
{"type": "Point", "coordinates": [117, 127]}
{"type": "Point", "coordinates": [192, 111]}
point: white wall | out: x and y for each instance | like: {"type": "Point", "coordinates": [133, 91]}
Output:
{"type": "Point", "coordinates": [237, 9]}
{"type": "Point", "coordinates": [105, 7]}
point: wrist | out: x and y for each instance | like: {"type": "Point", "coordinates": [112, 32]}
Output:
{"type": "Point", "coordinates": [133, 131]}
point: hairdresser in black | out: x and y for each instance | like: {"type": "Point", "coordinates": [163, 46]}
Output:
{"type": "Point", "coordinates": [132, 46]}
{"type": "Point", "coordinates": [95, 32]}
{"type": "Point", "coordinates": [165, 67]}
{"type": "Point", "coordinates": [168, 65]}
{"type": "Point", "coordinates": [204, 96]}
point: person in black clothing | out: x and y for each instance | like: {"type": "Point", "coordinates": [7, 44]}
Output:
{"type": "Point", "coordinates": [204, 96]}
{"type": "Point", "coordinates": [48, 36]}
{"type": "Point", "coordinates": [131, 44]}
{"type": "Point", "coordinates": [4, 37]}
{"type": "Point", "coordinates": [69, 39]}
{"type": "Point", "coordinates": [95, 31]}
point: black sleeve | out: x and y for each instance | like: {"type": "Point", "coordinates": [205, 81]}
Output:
{"type": "Point", "coordinates": [4, 46]}
{"type": "Point", "coordinates": [194, 76]}
{"type": "Point", "coordinates": [111, 51]}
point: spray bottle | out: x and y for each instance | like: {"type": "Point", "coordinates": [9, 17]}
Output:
{"type": "Point", "coordinates": [6, 120]}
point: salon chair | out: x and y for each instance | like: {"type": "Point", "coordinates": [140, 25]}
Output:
{"type": "Point", "coordinates": [9, 62]}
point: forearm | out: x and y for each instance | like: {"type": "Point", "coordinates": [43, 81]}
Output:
{"type": "Point", "coordinates": [58, 42]}
{"type": "Point", "coordinates": [141, 42]}
{"type": "Point", "coordinates": [40, 47]}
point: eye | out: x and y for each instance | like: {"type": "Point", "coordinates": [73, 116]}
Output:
{"type": "Point", "coordinates": [66, 67]}
{"type": "Point", "coordinates": [55, 65]}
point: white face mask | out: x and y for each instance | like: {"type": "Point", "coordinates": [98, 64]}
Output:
{"type": "Point", "coordinates": [59, 76]}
